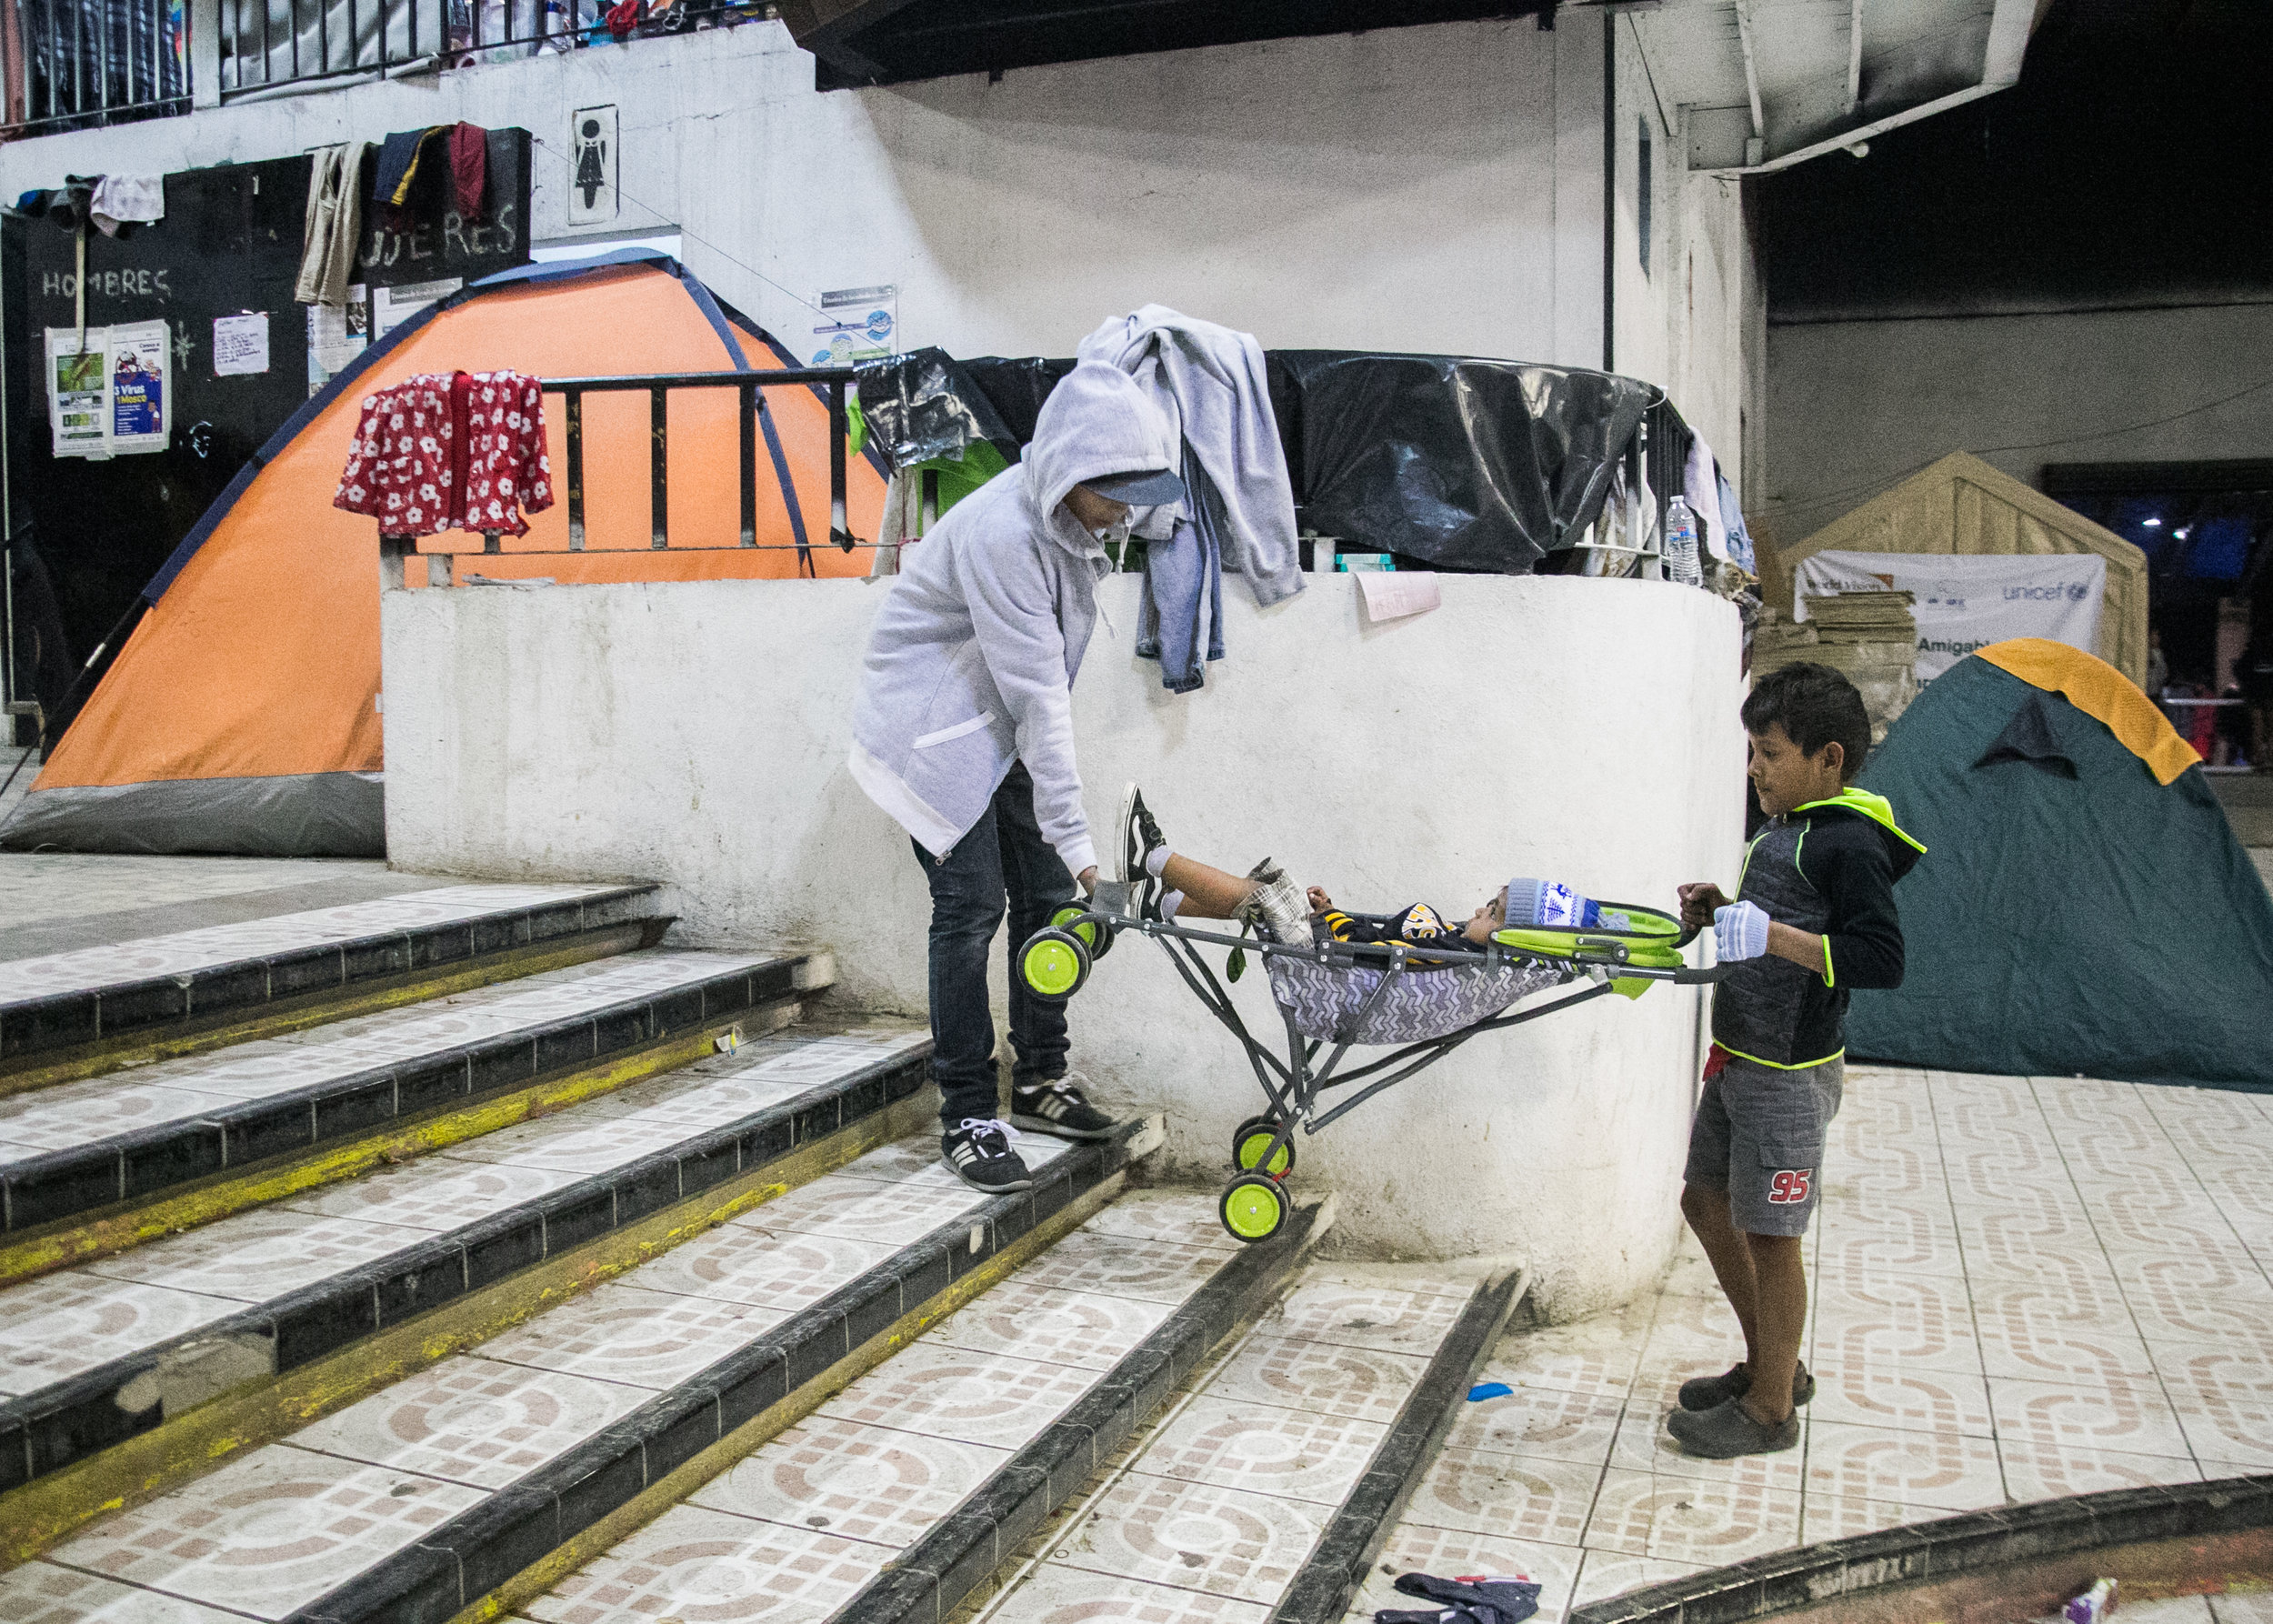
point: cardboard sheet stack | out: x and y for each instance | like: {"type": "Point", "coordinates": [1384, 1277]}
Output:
{"type": "Point", "coordinates": [1871, 636]}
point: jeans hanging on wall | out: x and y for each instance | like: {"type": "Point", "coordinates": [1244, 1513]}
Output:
{"type": "Point", "coordinates": [1182, 612]}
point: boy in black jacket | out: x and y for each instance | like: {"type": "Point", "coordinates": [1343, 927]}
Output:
{"type": "Point", "coordinates": [1813, 919]}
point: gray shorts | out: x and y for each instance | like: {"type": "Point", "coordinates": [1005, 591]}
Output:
{"type": "Point", "coordinates": [1759, 1134]}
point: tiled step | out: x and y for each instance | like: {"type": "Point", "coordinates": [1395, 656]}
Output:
{"type": "Point", "coordinates": [96, 1008]}
{"type": "Point", "coordinates": [504, 1466]}
{"type": "Point", "coordinates": [89, 1167]}
{"type": "Point", "coordinates": [1262, 1489]}
{"type": "Point", "coordinates": [894, 1498]}
{"type": "Point", "coordinates": [115, 1375]}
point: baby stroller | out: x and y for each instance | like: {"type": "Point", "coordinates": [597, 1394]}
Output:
{"type": "Point", "coordinates": [1338, 996]}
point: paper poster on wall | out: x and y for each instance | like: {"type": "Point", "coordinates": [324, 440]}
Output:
{"type": "Point", "coordinates": [392, 306]}
{"type": "Point", "coordinates": [1967, 601]}
{"type": "Point", "coordinates": [240, 344]}
{"type": "Point", "coordinates": [337, 334]}
{"type": "Point", "coordinates": [141, 404]}
{"type": "Point", "coordinates": [857, 324]}
{"type": "Point", "coordinates": [79, 391]}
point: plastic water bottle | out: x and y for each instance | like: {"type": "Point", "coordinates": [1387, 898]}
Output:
{"type": "Point", "coordinates": [1680, 548]}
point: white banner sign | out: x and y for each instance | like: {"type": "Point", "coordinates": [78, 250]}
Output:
{"type": "Point", "coordinates": [1967, 601]}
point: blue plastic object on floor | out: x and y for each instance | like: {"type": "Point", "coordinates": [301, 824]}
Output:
{"type": "Point", "coordinates": [1489, 1390]}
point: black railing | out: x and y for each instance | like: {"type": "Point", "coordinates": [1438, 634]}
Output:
{"type": "Point", "coordinates": [754, 421]}
{"type": "Point", "coordinates": [270, 43]}
{"type": "Point", "coordinates": [82, 64]}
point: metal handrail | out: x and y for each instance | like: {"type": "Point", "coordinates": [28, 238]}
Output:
{"type": "Point", "coordinates": [754, 420]}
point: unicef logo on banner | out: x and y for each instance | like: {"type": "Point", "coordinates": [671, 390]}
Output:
{"type": "Point", "coordinates": [1966, 601]}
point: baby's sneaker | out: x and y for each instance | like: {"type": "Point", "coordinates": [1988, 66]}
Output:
{"type": "Point", "coordinates": [1140, 837]}
{"type": "Point", "coordinates": [1277, 904]}
{"type": "Point", "coordinates": [1058, 1108]}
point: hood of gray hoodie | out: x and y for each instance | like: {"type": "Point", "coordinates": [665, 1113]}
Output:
{"type": "Point", "coordinates": [1096, 423]}
{"type": "Point", "coordinates": [972, 657]}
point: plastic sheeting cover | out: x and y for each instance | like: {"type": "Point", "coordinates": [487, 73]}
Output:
{"type": "Point", "coordinates": [1467, 464]}
{"type": "Point", "coordinates": [925, 405]}
{"type": "Point", "coordinates": [295, 815]}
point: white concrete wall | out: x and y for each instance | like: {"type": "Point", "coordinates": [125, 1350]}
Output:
{"type": "Point", "coordinates": [1429, 188]}
{"type": "Point", "coordinates": [696, 734]}
{"type": "Point", "coordinates": [1855, 407]}
{"type": "Point", "coordinates": [1695, 321]}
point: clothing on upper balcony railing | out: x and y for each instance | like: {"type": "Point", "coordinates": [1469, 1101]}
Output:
{"type": "Point", "coordinates": [334, 226]}
{"type": "Point", "coordinates": [450, 451]}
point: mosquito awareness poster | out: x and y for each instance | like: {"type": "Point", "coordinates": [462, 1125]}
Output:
{"type": "Point", "coordinates": [109, 389]}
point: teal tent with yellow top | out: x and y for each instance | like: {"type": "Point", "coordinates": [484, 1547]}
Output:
{"type": "Point", "coordinates": [2085, 908]}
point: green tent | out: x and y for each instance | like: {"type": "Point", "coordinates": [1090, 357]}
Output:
{"type": "Point", "coordinates": [2083, 907]}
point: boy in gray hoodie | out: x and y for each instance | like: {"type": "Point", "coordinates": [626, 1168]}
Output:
{"type": "Point", "coordinates": [963, 732]}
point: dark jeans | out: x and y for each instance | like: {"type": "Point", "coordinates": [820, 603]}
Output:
{"type": "Point", "coordinates": [1004, 858]}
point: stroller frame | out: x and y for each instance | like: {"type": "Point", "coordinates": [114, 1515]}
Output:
{"type": "Point", "coordinates": [1293, 1086]}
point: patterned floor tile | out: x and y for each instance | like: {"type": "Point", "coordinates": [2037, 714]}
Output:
{"type": "Point", "coordinates": [692, 1107]}
{"type": "Point", "coordinates": [1178, 1215]}
{"type": "Point", "coordinates": [2221, 1427]}
{"type": "Point", "coordinates": [473, 1420]}
{"type": "Point", "coordinates": [1596, 1355]}
{"type": "Point", "coordinates": [1266, 1449]}
{"type": "Point", "coordinates": [257, 1256]}
{"type": "Point", "coordinates": [1686, 1519]}
{"type": "Point", "coordinates": [1914, 1468]}
{"type": "Point", "coordinates": [1826, 1516]}
{"type": "Point", "coordinates": [1921, 1322]}
{"type": "Point", "coordinates": [1613, 1573]}
{"type": "Point", "coordinates": [1890, 1392]}
{"type": "Point", "coordinates": [2043, 1471]}
{"type": "Point", "coordinates": [853, 1481]}
{"type": "Point", "coordinates": [42, 1593]}
{"type": "Point", "coordinates": [1053, 1594]}
{"type": "Point", "coordinates": [435, 1193]}
{"type": "Point", "coordinates": [1232, 1542]}
{"type": "Point", "coordinates": [1323, 1378]}
{"type": "Point", "coordinates": [1507, 1497]}
{"type": "Point", "coordinates": [56, 1327]}
{"type": "Point", "coordinates": [2030, 1235]}
{"type": "Point", "coordinates": [2128, 1414]}
{"type": "Point", "coordinates": [1540, 1422]}
{"type": "Point", "coordinates": [624, 1333]}
{"type": "Point", "coordinates": [2056, 1330]}
{"type": "Point", "coordinates": [1416, 1548]}
{"type": "Point", "coordinates": [582, 1146]}
{"type": "Point", "coordinates": [973, 1398]}
{"type": "Point", "coordinates": [1362, 1314]}
{"type": "Point", "coordinates": [783, 1272]}
{"type": "Point", "coordinates": [1160, 1272]}
{"type": "Point", "coordinates": [860, 1209]}
{"type": "Point", "coordinates": [268, 1533]}
{"type": "Point", "coordinates": [2242, 1607]}
{"type": "Point", "coordinates": [1085, 1329]}
{"type": "Point", "coordinates": [2241, 1317]}
{"type": "Point", "coordinates": [1902, 1237]}
{"type": "Point", "coordinates": [695, 1563]}
{"type": "Point", "coordinates": [74, 1113]}
{"type": "Point", "coordinates": [1690, 1275]}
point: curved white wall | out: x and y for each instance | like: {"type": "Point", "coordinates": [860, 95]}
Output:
{"type": "Point", "coordinates": [1571, 729]}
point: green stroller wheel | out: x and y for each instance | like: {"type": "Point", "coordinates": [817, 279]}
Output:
{"type": "Point", "coordinates": [1094, 936]}
{"type": "Point", "coordinates": [1252, 1139]}
{"type": "Point", "coordinates": [1253, 1208]}
{"type": "Point", "coordinates": [1053, 964]}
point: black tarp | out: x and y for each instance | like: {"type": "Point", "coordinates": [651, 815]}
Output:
{"type": "Point", "coordinates": [1460, 461]}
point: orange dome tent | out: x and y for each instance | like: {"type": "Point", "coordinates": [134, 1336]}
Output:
{"type": "Point", "coordinates": [242, 715]}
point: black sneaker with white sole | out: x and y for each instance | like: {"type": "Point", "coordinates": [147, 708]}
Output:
{"type": "Point", "coordinates": [1059, 1108]}
{"type": "Point", "coordinates": [1140, 837]}
{"type": "Point", "coordinates": [977, 1151]}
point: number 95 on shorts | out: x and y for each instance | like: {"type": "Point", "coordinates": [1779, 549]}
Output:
{"type": "Point", "coordinates": [1759, 1134]}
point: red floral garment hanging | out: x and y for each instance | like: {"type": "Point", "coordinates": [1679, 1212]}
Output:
{"type": "Point", "coordinates": [450, 451]}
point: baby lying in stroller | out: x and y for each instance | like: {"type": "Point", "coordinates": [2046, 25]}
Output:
{"type": "Point", "coordinates": [1170, 885]}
